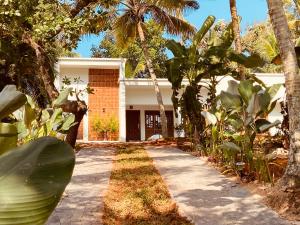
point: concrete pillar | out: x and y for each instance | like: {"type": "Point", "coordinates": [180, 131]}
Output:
{"type": "Point", "coordinates": [143, 126]}
{"type": "Point", "coordinates": [122, 103]}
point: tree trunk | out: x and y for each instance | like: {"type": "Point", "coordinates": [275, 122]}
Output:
{"type": "Point", "coordinates": [149, 63]}
{"type": "Point", "coordinates": [78, 108]}
{"type": "Point", "coordinates": [236, 34]}
{"type": "Point", "coordinates": [291, 178]}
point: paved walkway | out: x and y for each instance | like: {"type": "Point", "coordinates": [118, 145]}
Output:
{"type": "Point", "coordinates": [83, 200]}
{"type": "Point", "coordinates": [205, 196]}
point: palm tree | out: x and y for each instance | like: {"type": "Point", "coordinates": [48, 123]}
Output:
{"type": "Point", "coordinates": [130, 25]}
{"type": "Point", "coordinates": [279, 22]}
{"type": "Point", "coordinates": [236, 33]}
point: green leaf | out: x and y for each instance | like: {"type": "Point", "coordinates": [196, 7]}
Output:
{"type": "Point", "coordinates": [208, 23]}
{"type": "Point", "coordinates": [230, 146]}
{"type": "Point", "coordinates": [264, 100]}
{"type": "Point", "coordinates": [252, 61]}
{"type": "Point", "coordinates": [273, 90]}
{"type": "Point", "coordinates": [256, 79]}
{"type": "Point", "coordinates": [56, 120]}
{"type": "Point", "coordinates": [68, 123]}
{"type": "Point", "coordinates": [62, 98]}
{"type": "Point", "coordinates": [227, 37]}
{"type": "Point", "coordinates": [10, 100]}
{"type": "Point", "coordinates": [246, 90]}
{"type": "Point", "coordinates": [230, 101]}
{"type": "Point", "coordinates": [235, 121]}
{"type": "Point", "coordinates": [176, 48]}
{"type": "Point", "coordinates": [32, 180]}
{"type": "Point", "coordinates": [8, 137]}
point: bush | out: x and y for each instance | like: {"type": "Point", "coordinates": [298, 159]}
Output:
{"type": "Point", "coordinates": [106, 127]}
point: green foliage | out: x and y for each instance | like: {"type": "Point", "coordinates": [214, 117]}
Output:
{"type": "Point", "coordinates": [11, 100]}
{"type": "Point", "coordinates": [35, 33]}
{"type": "Point", "coordinates": [136, 63]}
{"type": "Point", "coordinates": [105, 126]}
{"type": "Point", "coordinates": [32, 180]}
{"type": "Point", "coordinates": [37, 123]}
{"type": "Point", "coordinates": [210, 55]}
{"type": "Point", "coordinates": [33, 176]}
{"type": "Point", "coordinates": [30, 122]}
{"type": "Point", "coordinates": [240, 117]}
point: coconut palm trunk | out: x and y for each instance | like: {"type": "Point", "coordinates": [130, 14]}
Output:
{"type": "Point", "coordinates": [149, 63]}
{"type": "Point", "coordinates": [237, 34]}
{"type": "Point", "coordinates": [291, 178]}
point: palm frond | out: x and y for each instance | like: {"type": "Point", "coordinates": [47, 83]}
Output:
{"type": "Point", "coordinates": [172, 24]}
{"type": "Point", "coordinates": [124, 29]}
{"type": "Point", "coordinates": [172, 6]}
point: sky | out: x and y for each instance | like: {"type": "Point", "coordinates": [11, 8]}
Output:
{"type": "Point", "coordinates": [251, 11]}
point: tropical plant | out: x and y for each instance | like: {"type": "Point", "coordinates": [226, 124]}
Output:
{"type": "Point", "coordinates": [246, 106]}
{"type": "Point", "coordinates": [39, 123]}
{"type": "Point", "coordinates": [291, 178]}
{"type": "Point", "coordinates": [202, 65]}
{"type": "Point", "coordinates": [131, 23]}
{"type": "Point", "coordinates": [33, 176]}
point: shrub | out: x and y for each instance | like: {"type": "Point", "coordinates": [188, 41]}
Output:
{"type": "Point", "coordinates": [106, 126]}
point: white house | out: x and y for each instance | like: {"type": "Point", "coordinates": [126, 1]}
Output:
{"type": "Point", "coordinates": [132, 101]}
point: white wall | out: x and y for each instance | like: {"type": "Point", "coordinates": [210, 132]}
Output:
{"type": "Point", "coordinates": [83, 74]}
{"type": "Point", "coordinates": [146, 95]}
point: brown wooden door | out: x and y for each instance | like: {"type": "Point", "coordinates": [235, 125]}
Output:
{"type": "Point", "coordinates": [133, 130]}
{"type": "Point", "coordinates": [153, 123]}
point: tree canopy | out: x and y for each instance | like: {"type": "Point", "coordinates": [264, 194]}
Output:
{"type": "Point", "coordinates": [136, 64]}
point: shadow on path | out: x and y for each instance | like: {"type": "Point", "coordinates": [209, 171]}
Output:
{"type": "Point", "coordinates": [82, 202]}
{"type": "Point", "coordinates": [207, 197]}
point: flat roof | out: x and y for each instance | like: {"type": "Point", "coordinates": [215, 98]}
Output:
{"type": "Point", "coordinates": [111, 63]}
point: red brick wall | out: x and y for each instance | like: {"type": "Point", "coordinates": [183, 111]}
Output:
{"type": "Point", "coordinates": [105, 100]}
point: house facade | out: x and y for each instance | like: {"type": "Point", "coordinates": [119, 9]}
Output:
{"type": "Point", "coordinates": [131, 101]}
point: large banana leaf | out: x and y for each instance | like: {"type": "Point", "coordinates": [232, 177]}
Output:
{"type": "Point", "coordinates": [32, 180]}
{"type": "Point", "coordinates": [230, 146]}
{"type": "Point", "coordinates": [176, 48]}
{"type": "Point", "coordinates": [246, 90]}
{"type": "Point", "coordinates": [227, 37]}
{"type": "Point", "coordinates": [208, 23]}
{"type": "Point", "coordinates": [251, 61]}
{"type": "Point", "coordinates": [230, 101]}
{"type": "Point", "coordinates": [10, 100]}
{"type": "Point", "coordinates": [273, 90]}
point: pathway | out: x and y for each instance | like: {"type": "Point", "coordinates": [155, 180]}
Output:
{"type": "Point", "coordinates": [205, 196]}
{"type": "Point", "coordinates": [83, 200]}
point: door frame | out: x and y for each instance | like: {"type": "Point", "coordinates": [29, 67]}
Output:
{"type": "Point", "coordinates": [169, 125]}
